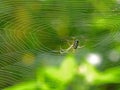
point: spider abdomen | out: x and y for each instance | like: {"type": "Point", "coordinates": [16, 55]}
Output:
{"type": "Point", "coordinates": [75, 44]}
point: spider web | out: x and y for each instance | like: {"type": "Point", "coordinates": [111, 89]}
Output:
{"type": "Point", "coordinates": [30, 27]}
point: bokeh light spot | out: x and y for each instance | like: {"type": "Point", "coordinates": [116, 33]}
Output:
{"type": "Point", "coordinates": [94, 59]}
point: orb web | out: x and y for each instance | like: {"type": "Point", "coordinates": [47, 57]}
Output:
{"type": "Point", "coordinates": [30, 28]}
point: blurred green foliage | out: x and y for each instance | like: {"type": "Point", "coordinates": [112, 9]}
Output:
{"type": "Point", "coordinates": [33, 32]}
{"type": "Point", "coordinates": [59, 78]}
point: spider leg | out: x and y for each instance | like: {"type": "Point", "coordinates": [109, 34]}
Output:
{"type": "Point", "coordinates": [65, 50]}
{"type": "Point", "coordinates": [81, 46]}
{"type": "Point", "coordinates": [69, 48]}
{"type": "Point", "coordinates": [62, 51]}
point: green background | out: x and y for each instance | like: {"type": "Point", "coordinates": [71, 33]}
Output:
{"type": "Point", "coordinates": [34, 32]}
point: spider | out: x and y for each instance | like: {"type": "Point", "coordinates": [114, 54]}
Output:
{"type": "Point", "coordinates": [74, 46]}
